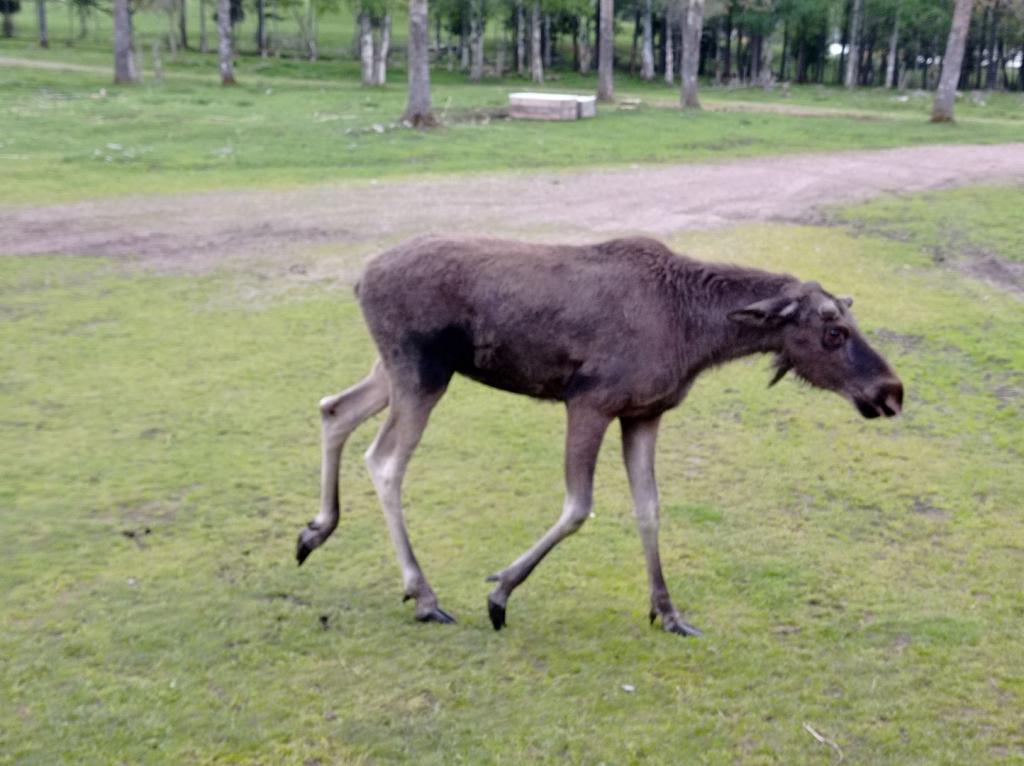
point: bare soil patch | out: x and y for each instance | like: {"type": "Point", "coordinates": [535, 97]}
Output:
{"type": "Point", "coordinates": [200, 231]}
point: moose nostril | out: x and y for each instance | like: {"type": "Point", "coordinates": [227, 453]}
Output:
{"type": "Point", "coordinates": [890, 398]}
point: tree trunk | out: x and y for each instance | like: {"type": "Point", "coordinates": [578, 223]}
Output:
{"type": "Point", "coordinates": [476, 45]}
{"type": "Point", "coordinates": [741, 59]}
{"type": "Point", "coordinates": [44, 35]}
{"type": "Point", "coordinates": [548, 45]}
{"type": "Point", "coordinates": [670, 53]}
{"type": "Point", "coordinates": [727, 73]}
{"type": "Point", "coordinates": [261, 27]}
{"type": "Point", "coordinates": [172, 37]}
{"type": "Point", "coordinates": [867, 69]}
{"type": "Point", "coordinates": [980, 58]}
{"type": "Point", "coordinates": [945, 95]}
{"type": "Point", "coordinates": [992, 75]}
{"type": "Point", "coordinates": [365, 48]}
{"type": "Point", "coordinates": [311, 29]}
{"type": "Point", "coordinates": [586, 52]}
{"type": "Point", "coordinates": [8, 25]}
{"type": "Point", "coordinates": [183, 23]}
{"type": "Point", "coordinates": [785, 51]}
{"type": "Point", "coordinates": [464, 46]}
{"type": "Point", "coordinates": [1020, 70]}
{"type": "Point", "coordinates": [126, 66]}
{"type": "Point", "coordinates": [766, 76]}
{"type": "Point", "coordinates": [801, 59]}
{"type": "Point", "coordinates": [83, 21]}
{"type": "Point", "coordinates": [890, 64]}
{"type": "Point", "coordinates": [499, 55]}
{"type": "Point", "coordinates": [227, 64]}
{"type": "Point", "coordinates": [647, 49]}
{"type": "Point", "coordinates": [691, 53]}
{"type": "Point", "coordinates": [418, 111]}
{"type": "Point", "coordinates": [520, 39]}
{"type": "Point", "coordinates": [632, 48]}
{"type": "Point", "coordinates": [536, 56]}
{"type": "Point", "coordinates": [381, 51]}
{"type": "Point", "coordinates": [853, 57]}
{"type": "Point", "coordinates": [203, 45]}
{"type": "Point", "coordinates": [606, 51]}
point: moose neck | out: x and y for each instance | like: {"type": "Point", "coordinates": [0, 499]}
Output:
{"type": "Point", "coordinates": [709, 293]}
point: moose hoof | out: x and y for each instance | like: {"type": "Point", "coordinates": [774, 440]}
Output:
{"type": "Point", "coordinates": [673, 623]}
{"type": "Point", "coordinates": [309, 539]}
{"type": "Point", "coordinates": [437, 614]}
{"type": "Point", "coordinates": [496, 612]}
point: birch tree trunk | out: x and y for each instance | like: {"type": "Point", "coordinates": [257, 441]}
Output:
{"type": "Point", "coordinates": [670, 53]}
{"type": "Point", "coordinates": [126, 67]}
{"type": "Point", "coordinates": [227, 64]}
{"type": "Point", "coordinates": [691, 53]}
{"type": "Point", "coordinates": [464, 47]}
{"type": "Point", "coordinates": [365, 48]}
{"type": "Point", "coordinates": [476, 45]}
{"type": "Point", "coordinates": [380, 57]}
{"type": "Point", "coordinates": [311, 30]}
{"type": "Point", "coordinates": [945, 95]}
{"type": "Point", "coordinates": [586, 53]}
{"type": "Point", "coordinates": [647, 45]}
{"type": "Point", "coordinates": [536, 56]}
{"type": "Point", "coordinates": [853, 59]}
{"type": "Point", "coordinates": [766, 75]}
{"type": "Point", "coordinates": [44, 35]}
{"type": "Point", "coordinates": [418, 110]}
{"type": "Point", "coordinates": [890, 62]}
{"type": "Point", "coordinates": [606, 51]}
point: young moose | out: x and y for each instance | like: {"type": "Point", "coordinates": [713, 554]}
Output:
{"type": "Point", "coordinates": [618, 330]}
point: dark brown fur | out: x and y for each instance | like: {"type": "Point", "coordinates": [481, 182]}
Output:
{"type": "Point", "coordinates": [617, 330]}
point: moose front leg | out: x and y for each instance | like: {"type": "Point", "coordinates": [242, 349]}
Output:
{"type": "Point", "coordinates": [638, 442]}
{"type": "Point", "coordinates": [340, 415]}
{"type": "Point", "coordinates": [582, 443]}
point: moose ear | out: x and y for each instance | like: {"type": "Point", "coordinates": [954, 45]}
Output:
{"type": "Point", "coordinates": [771, 312]}
{"type": "Point", "coordinates": [846, 300]}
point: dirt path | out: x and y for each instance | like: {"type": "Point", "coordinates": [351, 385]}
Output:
{"type": "Point", "coordinates": [198, 231]}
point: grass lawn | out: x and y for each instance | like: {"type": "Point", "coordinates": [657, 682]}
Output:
{"type": "Point", "coordinates": [914, 104]}
{"type": "Point", "coordinates": [858, 578]}
{"type": "Point", "coordinates": [68, 135]}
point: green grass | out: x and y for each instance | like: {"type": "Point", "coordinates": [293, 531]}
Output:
{"type": "Point", "coordinates": [859, 577]}
{"type": "Point", "coordinates": [913, 104]}
{"type": "Point", "coordinates": [973, 221]}
{"type": "Point", "coordinates": [71, 135]}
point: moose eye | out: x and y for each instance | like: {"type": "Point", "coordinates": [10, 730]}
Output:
{"type": "Point", "coordinates": [834, 337]}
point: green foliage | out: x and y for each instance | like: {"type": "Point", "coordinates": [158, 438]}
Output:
{"type": "Point", "coordinates": [859, 578]}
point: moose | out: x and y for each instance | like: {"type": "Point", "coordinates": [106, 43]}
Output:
{"type": "Point", "coordinates": [617, 330]}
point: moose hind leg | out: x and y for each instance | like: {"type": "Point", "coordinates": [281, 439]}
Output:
{"type": "Point", "coordinates": [340, 415]}
{"type": "Point", "coordinates": [583, 442]}
{"type": "Point", "coordinates": [638, 442]}
{"type": "Point", "coordinates": [387, 460]}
